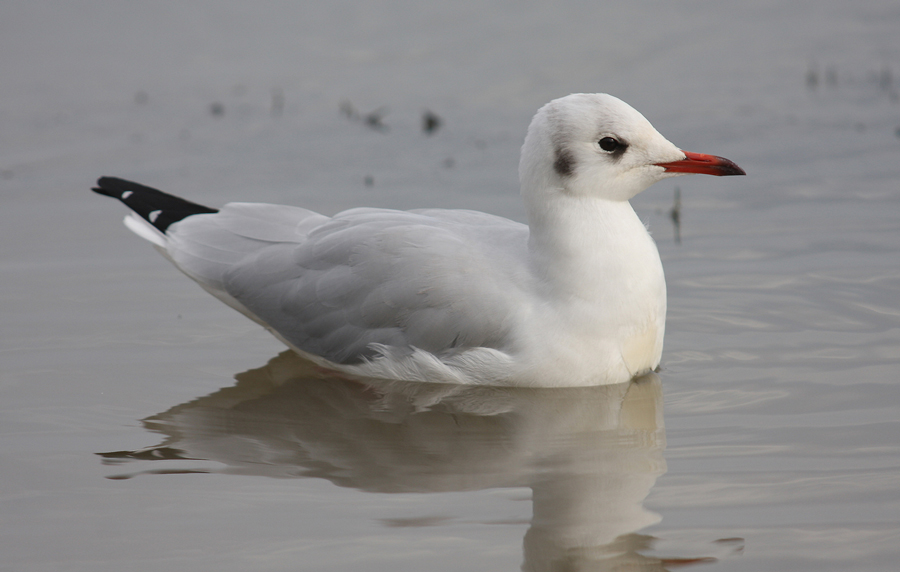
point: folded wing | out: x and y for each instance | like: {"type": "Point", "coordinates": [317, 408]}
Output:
{"type": "Point", "coordinates": [335, 286]}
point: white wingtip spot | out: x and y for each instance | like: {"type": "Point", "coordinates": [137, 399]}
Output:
{"type": "Point", "coordinates": [153, 215]}
{"type": "Point", "coordinates": [126, 194]}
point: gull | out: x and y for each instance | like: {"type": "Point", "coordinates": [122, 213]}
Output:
{"type": "Point", "coordinates": [575, 297]}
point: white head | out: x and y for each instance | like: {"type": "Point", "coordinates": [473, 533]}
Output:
{"type": "Point", "coordinates": [596, 145]}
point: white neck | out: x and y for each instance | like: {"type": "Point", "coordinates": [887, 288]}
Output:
{"type": "Point", "coordinates": [593, 249]}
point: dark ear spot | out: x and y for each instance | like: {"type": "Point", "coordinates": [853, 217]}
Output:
{"type": "Point", "coordinates": [565, 162]}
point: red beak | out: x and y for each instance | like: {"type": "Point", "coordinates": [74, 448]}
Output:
{"type": "Point", "coordinates": [703, 164]}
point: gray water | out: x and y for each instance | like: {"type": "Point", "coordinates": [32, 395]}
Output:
{"type": "Point", "coordinates": [145, 426]}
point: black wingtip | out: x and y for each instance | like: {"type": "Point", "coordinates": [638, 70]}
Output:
{"type": "Point", "coordinates": [156, 207]}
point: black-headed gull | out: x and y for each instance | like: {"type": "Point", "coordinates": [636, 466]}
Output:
{"type": "Point", "coordinates": [576, 297]}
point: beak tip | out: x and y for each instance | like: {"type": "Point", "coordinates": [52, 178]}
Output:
{"type": "Point", "coordinates": [729, 168]}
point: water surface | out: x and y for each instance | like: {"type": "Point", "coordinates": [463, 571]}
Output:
{"type": "Point", "coordinates": [146, 426]}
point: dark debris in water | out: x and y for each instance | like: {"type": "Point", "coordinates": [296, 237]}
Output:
{"type": "Point", "coordinates": [883, 79]}
{"type": "Point", "coordinates": [431, 122]}
{"type": "Point", "coordinates": [373, 119]}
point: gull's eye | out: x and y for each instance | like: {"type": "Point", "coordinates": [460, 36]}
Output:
{"type": "Point", "coordinates": [609, 144]}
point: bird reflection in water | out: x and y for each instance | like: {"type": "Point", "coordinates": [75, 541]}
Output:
{"type": "Point", "coordinates": [590, 455]}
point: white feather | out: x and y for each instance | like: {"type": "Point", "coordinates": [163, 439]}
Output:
{"type": "Point", "coordinates": [144, 229]}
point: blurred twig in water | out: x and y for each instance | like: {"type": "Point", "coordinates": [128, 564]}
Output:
{"type": "Point", "coordinates": [675, 215]}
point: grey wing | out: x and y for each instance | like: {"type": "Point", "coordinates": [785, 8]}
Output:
{"type": "Point", "coordinates": [436, 280]}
